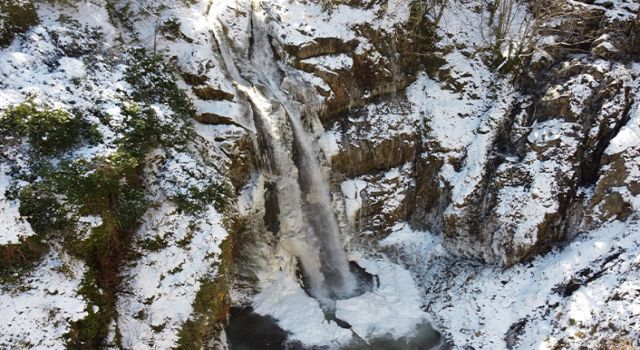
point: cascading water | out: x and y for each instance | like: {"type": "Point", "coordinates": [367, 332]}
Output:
{"type": "Point", "coordinates": [308, 232]}
{"type": "Point", "coordinates": [308, 224]}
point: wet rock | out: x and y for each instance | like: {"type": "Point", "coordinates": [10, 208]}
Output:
{"type": "Point", "coordinates": [321, 47]}
{"type": "Point", "coordinates": [209, 93]}
{"type": "Point", "coordinates": [241, 161]}
{"type": "Point", "coordinates": [375, 139]}
{"type": "Point", "coordinates": [431, 195]}
{"type": "Point", "coordinates": [516, 330]}
{"type": "Point", "coordinates": [362, 156]}
{"type": "Point", "coordinates": [194, 79]}
{"type": "Point", "coordinates": [215, 119]}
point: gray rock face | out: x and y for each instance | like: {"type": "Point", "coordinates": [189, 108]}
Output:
{"type": "Point", "coordinates": [527, 185]}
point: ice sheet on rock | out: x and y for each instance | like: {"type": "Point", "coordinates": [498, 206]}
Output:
{"type": "Point", "coordinates": [393, 308]}
{"type": "Point", "coordinates": [352, 199]}
{"type": "Point", "coordinates": [298, 313]}
{"type": "Point", "coordinates": [328, 143]}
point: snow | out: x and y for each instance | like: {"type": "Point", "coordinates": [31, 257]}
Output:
{"type": "Point", "coordinates": [91, 221]}
{"type": "Point", "coordinates": [475, 305]}
{"type": "Point", "coordinates": [316, 81]}
{"type": "Point", "coordinates": [331, 62]}
{"type": "Point", "coordinates": [328, 143]}
{"type": "Point", "coordinates": [163, 283]}
{"type": "Point", "coordinates": [36, 69]}
{"type": "Point", "coordinates": [396, 301]}
{"type": "Point", "coordinates": [541, 56]}
{"type": "Point", "coordinates": [73, 67]}
{"type": "Point", "coordinates": [12, 226]}
{"type": "Point", "coordinates": [547, 131]}
{"type": "Point", "coordinates": [618, 10]}
{"type": "Point", "coordinates": [251, 196]}
{"type": "Point", "coordinates": [465, 128]}
{"type": "Point", "coordinates": [629, 134]}
{"type": "Point", "coordinates": [302, 22]}
{"type": "Point", "coordinates": [351, 193]}
{"type": "Point", "coordinates": [298, 313]}
{"type": "Point", "coordinates": [37, 313]}
{"type": "Point", "coordinates": [377, 123]}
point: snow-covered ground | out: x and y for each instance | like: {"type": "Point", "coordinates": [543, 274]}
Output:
{"type": "Point", "coordinates": [588, 288]}
{"type": "Point", "coordinates": [74, 60]}
{"type": "Point", "coordinates": [477, 305]}
{"type": "Point", "coordinates": [36, 313]}
{"type": "Point", "coordinates": [12, 226]}
{"type": "Point", "coordinates": [162, 284]}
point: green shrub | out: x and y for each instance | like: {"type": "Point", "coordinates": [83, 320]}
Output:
{"type": "Point", "coordinates": [91, 331]}
{"type": "Point", "coordinates": [72, 39]}
{"type": "Point", "coordinates": [15, 17]}
{"type": "Point", "coordinates": [47, 217]}
{"type": "Point", "coordinates": [17, 259]}
{"type": "Point", "coordinates": [211, 304]}
{"type": "Point", "coordinates": [39, 205]}
{"type": "Point", "coordinates": [155, 81]}
{"type": "Point", "coordinates": [50, 131]}
{"type": "Point", "coordinates": [104, 185]}
{"type": "Point", "coordinates": [197, 199]}
{"type": "Point", "coordinates": [170, 29]}
{"type": "Point", "coordinates": [143, 130]}
{"type": "Point", "coordinates": [108, 187]}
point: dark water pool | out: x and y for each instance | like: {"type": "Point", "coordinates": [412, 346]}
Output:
{"type": "Point", "coordinates": [250, 331]}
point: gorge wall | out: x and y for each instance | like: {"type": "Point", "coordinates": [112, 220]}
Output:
{"type": "Point", "coordinates": [484, 154]}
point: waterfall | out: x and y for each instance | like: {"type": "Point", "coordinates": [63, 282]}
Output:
{"type": "Point", "coordinates": [309, 228]}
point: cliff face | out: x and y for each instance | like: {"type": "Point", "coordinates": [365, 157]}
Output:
{"type": "Point", "coordinates": [490, 148]}
{"type": "Point", "coordinates": [502, 165]}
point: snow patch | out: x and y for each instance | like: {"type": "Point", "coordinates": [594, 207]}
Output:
{"type": "Point", "coordinates": [38, 312]}
{"type": "Point", "coordinates": [393, 308]}
{"type": "Point", "coordinates": [298, 313]}
{"type": "Point", "coordinates": [13, 227]}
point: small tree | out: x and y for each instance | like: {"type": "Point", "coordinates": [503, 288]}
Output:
{"type": "Point", "coordinates": [508, 29]}
{"type": "Point", "coordinates": [49, 131]}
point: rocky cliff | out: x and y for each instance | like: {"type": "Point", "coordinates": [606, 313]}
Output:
{"type": "Point", "coordinates": [482, 158]}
